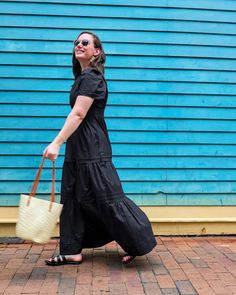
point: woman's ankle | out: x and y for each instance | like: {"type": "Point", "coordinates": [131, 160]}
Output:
{"type": "Point", "coordinates": [79, 254]}
{"type": "Point", "coordinates": [74, 256]}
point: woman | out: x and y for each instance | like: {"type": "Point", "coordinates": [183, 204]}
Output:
{"type": "Point", "coordinates": [95, 210]}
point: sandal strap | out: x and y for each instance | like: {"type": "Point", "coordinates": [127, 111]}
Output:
{"type": "Point", "coordinates": [59, 259]}
{"type": "Point", "coordinates": [64, 260]}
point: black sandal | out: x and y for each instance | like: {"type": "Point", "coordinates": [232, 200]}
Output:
{"type": "Point", "coordinates": [60, 260]}
{"type": "Point", "coordinates": [129, 260]}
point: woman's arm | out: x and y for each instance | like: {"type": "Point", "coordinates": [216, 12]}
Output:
{"type": "Point", "coordinates": [73, 120]}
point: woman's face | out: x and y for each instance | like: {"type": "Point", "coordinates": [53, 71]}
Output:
{"type": "Point", "coordinates": [84, 52]}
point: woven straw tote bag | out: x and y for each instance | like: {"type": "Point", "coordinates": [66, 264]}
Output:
{"type": "Point", "coordinates": [37, 218]}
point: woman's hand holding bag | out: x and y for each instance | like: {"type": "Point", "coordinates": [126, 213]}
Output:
{"type": "Point", "coordinates": [51, 151]}
{"type": "Point", "coordinates": [37, 218]}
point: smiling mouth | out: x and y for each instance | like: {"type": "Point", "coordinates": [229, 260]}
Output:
{"type": "Point", "coordinates": [79, 51]}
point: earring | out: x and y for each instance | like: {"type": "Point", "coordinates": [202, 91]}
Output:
{"type": "Point", "coordinates": [92, 58]}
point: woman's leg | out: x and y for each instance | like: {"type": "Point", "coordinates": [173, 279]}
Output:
{"type": "Point", "coordinates": [72, 226]}
{"type": "Point", "coordinates": [71, 233]}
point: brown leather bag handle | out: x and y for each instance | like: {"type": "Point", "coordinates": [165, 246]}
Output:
{"type": "Point", "coordinates": [36, 182]}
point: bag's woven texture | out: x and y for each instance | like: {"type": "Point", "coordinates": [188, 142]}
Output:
{"type": "Point", "coordinates": [36, 222]}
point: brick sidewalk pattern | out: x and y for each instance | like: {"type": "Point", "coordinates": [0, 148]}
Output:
{"type": "Point", "coordinates": [178, 265]}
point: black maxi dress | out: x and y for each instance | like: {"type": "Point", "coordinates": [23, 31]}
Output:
{"type": "Point", "coordinates": [95, 210]}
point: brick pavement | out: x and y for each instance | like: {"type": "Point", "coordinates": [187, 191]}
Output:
{"type": "Point", "coordinates": [178, 265]}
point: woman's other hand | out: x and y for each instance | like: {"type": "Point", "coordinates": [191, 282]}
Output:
{"type": "Point", "coordinates": [51, 151]}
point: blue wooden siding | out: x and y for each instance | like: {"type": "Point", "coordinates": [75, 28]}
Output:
{"type": "Point", "coordinates": [172, 105]}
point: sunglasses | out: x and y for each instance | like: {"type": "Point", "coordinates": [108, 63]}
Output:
{"type": "Point", "coordinates": [84, 42]}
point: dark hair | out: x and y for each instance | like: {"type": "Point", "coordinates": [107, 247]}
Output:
{"type": "Point", "coordinates": [97, 63]}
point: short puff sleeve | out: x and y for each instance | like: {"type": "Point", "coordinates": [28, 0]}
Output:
{"type": "Point", "coordinates": [92, 84]}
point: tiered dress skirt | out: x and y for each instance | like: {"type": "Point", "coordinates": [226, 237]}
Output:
{"type": "Point", "coordinates": [96, 210]}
